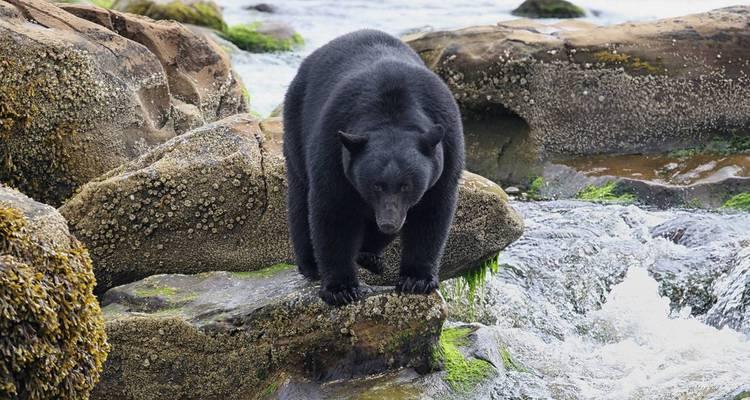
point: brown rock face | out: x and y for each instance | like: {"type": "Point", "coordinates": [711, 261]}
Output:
{"type": "Point", "coordinates": [625, 88]}
{"type": "Point", "coordinates": [78, 98]}
{"type": "Point", "coordinates": [215, 199]}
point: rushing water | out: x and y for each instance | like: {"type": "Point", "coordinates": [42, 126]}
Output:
{"type": "Point", "coordinates": [576, 303]}
{"type": "Point", "coordinates": [318, 21]}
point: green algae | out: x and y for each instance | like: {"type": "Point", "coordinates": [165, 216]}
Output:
{"type": "Point", "coordinates": [549, 9]}
{"type": "Point", "coordinates": [738, 202]}
{"type": "Point", "coordinates": [462, 373]}
{"type": "Point", "coordinates": [630, 62]}
{"type": "Point", "coordinates": [156, 292]}
{"type": "Point", "coordinates": [247, 37]}
{"type": "Point", "coordinates": [509, 362]}
{"type": "Point", "coordinates": [265, 272]}
{"type": "Point", "coordinates": [198, 13]}
{"type": "Point", "coordinates": [607, 193]}
{"type": "Point", "coordinates": [535, 188]}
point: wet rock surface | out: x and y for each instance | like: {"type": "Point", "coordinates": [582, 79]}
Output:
{"type": "Point", "coordinates": [239, 335]}
{"type": "Point", "coordinates": [640, 87]}
{"type": "Point", "coordinates": [79, 99]}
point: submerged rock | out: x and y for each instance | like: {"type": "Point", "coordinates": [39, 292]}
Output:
{"type": "Point", "coordinates": [636, 87]}
{"type": "Point", "coordinates": [224, 186]}
{"type": "Point", "coordinates": [240, 335]}
{"type": "Point", "coordinates": [52, 332]}
{"type": "Point", "coordinates": [548, 9]}
{"type": "Point", "coordinates": [79, 98]}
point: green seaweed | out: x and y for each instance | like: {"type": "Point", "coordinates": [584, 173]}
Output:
{"type": "Point", "coordinates": [199, 13]}
{"type": "Point", "coordinates": [606, 193]}
{"type": "Point", "coordinates": [247, 37]}
{"type": "Point", "coordinates": [462, 373]}
{"type": "Point", "coordinates": [509, 362]}
{"type": "Point", "coordinates": [738, 202]}
{"type": "Point", "coordinates": [718, 146]}
{"type": "Point", "coordinates": [535, 188]}
{"type": "Point", "coordinates": [265, 272]}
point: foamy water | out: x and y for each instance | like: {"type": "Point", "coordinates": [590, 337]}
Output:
{"type": "Point", "coordinates": [578, 306]}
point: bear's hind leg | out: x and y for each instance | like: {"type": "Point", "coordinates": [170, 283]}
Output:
{"type": "Point", "coordinates": [299, 229]}
{"type": "Point", "coordinates": [370, 255]}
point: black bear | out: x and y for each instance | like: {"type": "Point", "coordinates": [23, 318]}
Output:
{"type": "Point", "coordinates": [374, 148]}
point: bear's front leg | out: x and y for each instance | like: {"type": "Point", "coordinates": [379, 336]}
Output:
{"type": "Point", "coordinates": [423, 239]}
{"type": "Point", "coordinates": [336, 235]}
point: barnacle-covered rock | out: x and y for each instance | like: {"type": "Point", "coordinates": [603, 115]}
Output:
{"type": "Point", "coordinates": [634, 87]}
{"type": "Point", "coordinates": [78, 98]}
{"type": "Point", "coordinates": [52, 340]}
{"type": "Point", "coordinates": [239, 335]}
{"type": "Point", "coordinates": [215, 199]}
{"type": "Point", "coordinates": [210, 199]}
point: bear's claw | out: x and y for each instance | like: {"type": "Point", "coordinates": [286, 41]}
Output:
{"type": "Point", "coordinates": [371, 262]}
{"type": "Point", "coordinates": [340, 296]}
{"type": "Point", "coordinates": [408, 284]}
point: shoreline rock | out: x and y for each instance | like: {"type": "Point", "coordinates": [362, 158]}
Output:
{"type": "Point", "coordinates": [79, 99]}
{"type": "Point", "coordinates": [628, 88]}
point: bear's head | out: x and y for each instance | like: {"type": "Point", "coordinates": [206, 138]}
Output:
{"type": "Point", "coordinates": [392, 169]}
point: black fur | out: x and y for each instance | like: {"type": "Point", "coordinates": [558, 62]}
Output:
{"type": "Point", "coordinates": [374, 148]}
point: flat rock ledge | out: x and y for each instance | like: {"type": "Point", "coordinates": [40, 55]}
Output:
{"type": "Point", "coordinates": [224, 335]}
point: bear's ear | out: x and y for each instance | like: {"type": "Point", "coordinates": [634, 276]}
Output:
{"type": "Point", "coordinates": [353, 143]}
{"type": "Point", "coordinates": [431, 138]}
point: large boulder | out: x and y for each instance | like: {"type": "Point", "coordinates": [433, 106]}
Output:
{"type": "Point", "coordinates": [635, 87]}
{"type": "Point", "coordinates": [209, 199]}
{"type": "Point", "coordinates": [548, 9]}
{"type": "Point", "coordinates": [222, 335]}
{"type": "Point", "coordinates": [79, 98]}
{"type": "Point", "coordinates": [224, 186]}
{"type": "Point", "coordinates": [52, 337]}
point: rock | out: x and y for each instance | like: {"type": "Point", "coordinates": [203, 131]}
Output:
{"type": "Point", "coordinates": [78, 99]}
{"type": "Point", "coordinates": [548, 9]}
{"type": "Point", "coordinates": [237, 335]}
{"type": "Point", "coordinates": [53, 341]}
{"type": "Point", "coordinates": [512, 190]}
{"type": "Point", "coordinates": [216, 186]}
{"type": "Point", "coordinates": [636, 87]}
{"type": "Point", "coordinates": [195, 12]}
{"type": "Point", "coordinates": [262, 7]}
{"type": "Point", "coordinates": [224, 186]}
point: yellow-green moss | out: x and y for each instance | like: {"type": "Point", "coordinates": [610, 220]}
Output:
{"type": "Point", "coordinates": [265, 272]}
{"type": "Point", "coordinates": [607, 193]}
{"type": "Point", "coordinates": [535, 188]}
{"type": "Point", "coordinates": [53, 343]}
{"type": "Point", "coordinates": [198, 13]}
{"type": "Point", "coordinates": [739, 202]}
{"type": "Point", "coordinates": [509, 362]}
{"type": "Point", "coordinates": [247, 37]}
{"type": "Point", "coordinates": [632, 63]}
{"type": "Point", "coordinates": [156, 292]}
{"type": "Point", "coordinates": [462, 373]}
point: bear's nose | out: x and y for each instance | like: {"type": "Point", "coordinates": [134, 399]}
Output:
{"type": "Point", "coordinates": [388, 229]}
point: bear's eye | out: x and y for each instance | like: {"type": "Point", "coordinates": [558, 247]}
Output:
{"type": "Point", "coordinates": [379, 187]}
